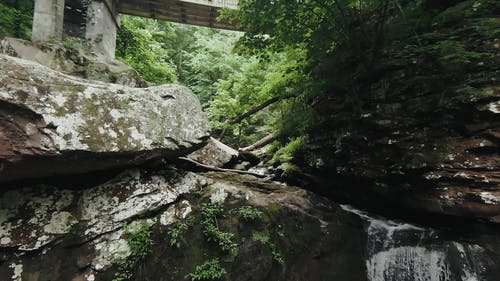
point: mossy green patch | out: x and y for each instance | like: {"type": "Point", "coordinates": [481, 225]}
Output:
{"type": "Point", "coordinates": [140, 243]}
{"type": "Point", "coordinates": [221, 232]}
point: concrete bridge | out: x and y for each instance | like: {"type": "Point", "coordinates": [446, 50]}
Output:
{"type": "Point", "coordinates": [97, 20]}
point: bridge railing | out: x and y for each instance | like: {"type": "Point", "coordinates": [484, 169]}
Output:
{"type": "Point", "coordinates": [232, 4]}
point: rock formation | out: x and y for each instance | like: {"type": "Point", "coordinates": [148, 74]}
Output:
{"type": "Point", "coordinates": [215, 154]}
{"type": "Point", "coordinates": [53, 124]}
{"type": "Point", "coordinates": [72, 58]}
{"type": "Point", "coordinates": [90, 190]}
{"type": "Point", "coordinates": [165, 224]}
{"type": "Point", "coordinates": [422, 133]}
{"type": "Point", "coordinates": [82, 234]}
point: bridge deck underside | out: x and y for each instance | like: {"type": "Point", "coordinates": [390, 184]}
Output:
{"type": "Point", "coordinates": [176, 11]}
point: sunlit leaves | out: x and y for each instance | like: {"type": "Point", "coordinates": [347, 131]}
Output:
{"type": "Point", "coordinates": [137, 47]}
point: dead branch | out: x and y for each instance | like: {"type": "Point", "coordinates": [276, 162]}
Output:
{"type": "Point", "coordinates": [212, 168]}
{"type": "Point", "coordinates": [258, 144]}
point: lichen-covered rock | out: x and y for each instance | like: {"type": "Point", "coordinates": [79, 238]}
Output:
{"type": "Point", "coordinates": [83, 233]}
{"type": "Point", "coordinates": [215, 153]}
{"type": "Point", "coordinates": [33, 217]}
{"type": "Point", "coordinates": [53, 124]}
{"type": "Point", "coordinates": [73, 60]}
{"type": "Point", "coordinates": [143, 223]}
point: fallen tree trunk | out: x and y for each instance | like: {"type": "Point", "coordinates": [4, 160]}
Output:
{"type": "Point", "coordinates": [258, 144]}
{"type": "Point", "coordinates": [213, 168]}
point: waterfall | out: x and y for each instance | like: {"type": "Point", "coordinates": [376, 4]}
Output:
{"type": "Point", "coordinates": [399, 251]}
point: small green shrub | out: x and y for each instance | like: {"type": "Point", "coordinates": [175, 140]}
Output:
{"type": "Point", "coordinates": [249, 213]}
{"type": "Point", "coordinates": [177, 231]}
{"type": "Point", "coordinates": [286, 153]}
{"type": "Point", "coordinates": [76, 43]}
{"type": "Point", "coordinates": [277, 255]}
{"type": "Point", "coordinates": [260, 236]}
{"type": "Point", "coordinates": [140, 243]}
{"type": "Point", "coordinates": [212, 231]}
{"type": "Point", "coordinates": [265, 238]}
{"type": "Point", "coordinates": [211, 210]}
{"type": "Point", "coordinates": [209, 270]}
{"type": "Point", "coordinates": [198, 192]}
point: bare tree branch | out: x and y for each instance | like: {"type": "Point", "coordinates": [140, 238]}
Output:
{"type": "Point", "coordinates": [260, 143]}
{"type": "Point", "coordinates": [212, 168]}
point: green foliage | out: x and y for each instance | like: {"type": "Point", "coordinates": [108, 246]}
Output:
{"type": "Point", "coordinates": [76, 43]}
{"type": "Point", "coordinates": [316, 26]}
{"type": "Point", "coordinates": [277, 255]}
{"type": "Point", "coordinates": [281, 77]}
{"type": "Point", "coordinates": [228, 84]}
{"type": "Point", "coordinates": [198, 192]}
{"type": "Point", "coordinates": [177, 231]}
{"type": "Point", "coordinates": [224, 240]}
{"type": "Point", "coordinates": [261, 236]}
{"type": "Point", "coordinates": [140, 243]}
{"type": "Point", "coordinates": [137, 46]}
{"type": "Point", "coordinates": [16, 19]}
{"type": "Point", "coordinates": [265, 238]}
{"type": "Point", "coordinates": [286, 153]}
{"type": "Point", "coordinates": [458, 13]}
{"type": "Point", "coordinates": [249, 213]}
{"type": "Point", "coordinates": [312, 31]}
{"type": "Point", "coordinates": [209, 61]}
{"type": "Point", "coordinates": [209, 270]}
{"type": "Point", "coordinates": [455, 52]}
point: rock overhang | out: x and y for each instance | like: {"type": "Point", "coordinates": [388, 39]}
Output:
{"type": "Point", "coordinates": [55, 124]}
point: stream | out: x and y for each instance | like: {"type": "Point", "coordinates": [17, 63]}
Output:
{"type": "Point", "coordinates": [398, 251]}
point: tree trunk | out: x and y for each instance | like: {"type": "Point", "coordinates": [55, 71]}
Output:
{"type": "Point", "coordinates": [258, 144]}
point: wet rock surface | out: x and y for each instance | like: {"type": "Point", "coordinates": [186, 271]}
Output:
{"type": "Point", "coordinates": [421, 133]}
{"type": "Point", "coordinates": [272, 232]}
{"type": "Point", "coordinates": [60, 233]}
{"type": "Point", "coordinates": [53, 124]}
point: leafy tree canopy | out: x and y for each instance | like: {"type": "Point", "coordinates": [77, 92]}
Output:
{"type": "Point", "coordinates": [16, 18]}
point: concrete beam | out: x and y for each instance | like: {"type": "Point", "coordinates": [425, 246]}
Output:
{"type": "Point", "coordinates": [48, 20]}
{"type": "Point", "coordinates": [102, 26]}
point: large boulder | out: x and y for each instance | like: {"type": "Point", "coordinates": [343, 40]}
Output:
{"type": "Point", "coordinates": [155, 220]}
{"type": "Point", "coordinates": [215, 154]}
{"type": "Point", "coordinates": [54, 124]}
{"type": "Point", "coordinates": [145, 222]}
{"type": "Point", "coordinates": [73, 58]}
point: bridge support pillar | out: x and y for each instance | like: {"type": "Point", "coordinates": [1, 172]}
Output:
{"type": "Point", "coordinates": [48, 20]}
{"type": "Point", "coordinates": [102, 26]}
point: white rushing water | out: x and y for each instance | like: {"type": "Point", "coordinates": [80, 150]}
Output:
{"type": "Point", "coordinates": [403, 252]}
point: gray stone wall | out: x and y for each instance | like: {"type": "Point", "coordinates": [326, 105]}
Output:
{"type": "Point", "coordinates": [48, 20]}
{"type": "Point", "coordinates": [102, 25]}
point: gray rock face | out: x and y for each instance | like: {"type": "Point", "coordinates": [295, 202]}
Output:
{"type": "Point", "coordinates": [53, 124]}
{"type": "Point", "coordinates": [215, 153]}
{"type": "Point", "coordinates": [73, 60]}
{"type": "Point", "coordinates": [278, 233]}
{"type": "Point", "coordinates": [33, 218]}
{"type": "Point", "coordinates": [65, 233]}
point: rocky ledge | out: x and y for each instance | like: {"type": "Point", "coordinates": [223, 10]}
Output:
{"type": "Point", "coordinates": [169, 224]}
{"type": "Point", "coordinates": [422, 133]}
{"type": "Point", "coordinates": [171, 220]}
{"type": "Point", "coordinates": [53, 124]}
{"type": "Point", "coordinates": [72, 58]}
